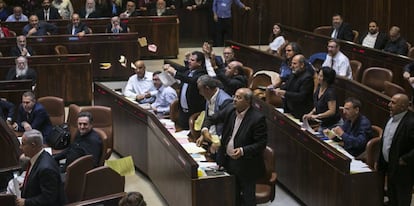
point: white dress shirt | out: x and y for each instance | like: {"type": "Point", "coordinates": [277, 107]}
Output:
{"type": "Point", "coordinates": [137, 86]}
{"type": "Point", "coordinates": [389, 132]}
{"type": "Point", "coordinates": [339, 63]}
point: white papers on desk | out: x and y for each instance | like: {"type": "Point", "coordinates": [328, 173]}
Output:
{"type": "Point", "coordinates": [145, 106]}
{"type": "Point", "coordinates": [191, 148]}
{"type": "Point", "coordinates": [166, 79]}
{"type": "Point", "coordinates": [357, 166]}
{"type": "Point", "coordinates": [306, 126]}
{"type": "Point", "coordinates": [181, 136]}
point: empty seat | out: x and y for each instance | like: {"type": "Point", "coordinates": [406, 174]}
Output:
{"type": "Point", "coordinates": [174, 114]}
{"type": "Point", "coordinates": [102, 181]}
{"type": "Point", "coordinates": [356, 36]}
{"type": "Point", "coordinates": [106, 151]}
{"type": "Point", "coordinates": [249, 74]}
{"type": "Point", "coordinates": [72, 120]}
{"type": "Point", "coordinates": [107, 200]}
{"type": "Point", "coordinates": [411, 52]}
{"type": "Point", "coordinates": [265, 187]}
{"type": "Point", "coordinates": [356, 68]}
{"type": "Point", "coordinates": [75, 177]}
{"type": "Point", "coordinates": [390, 89]}
{"type": "Point", "coordinates": [195, 134]}
{"type": "Point", "coordinates": [55, 107]}
{"type": "Point", "coordinates": [60, 49]}
{"type": "Point", "coordinates": [375, 77]}
{"type": "Point", "coordinates": [372, 148]}
{"type": "Point", "coordinates": [7, 199]}
{"type": "Point", "coordinates": [323, 30]}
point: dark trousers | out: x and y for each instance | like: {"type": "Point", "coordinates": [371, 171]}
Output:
{"type": "Point", "coordinates": [224, 31]}
{"type": "Point", "coordinates": [400, 187]}
{"type": "Point", "coordinates": [245, 190]}
{"type": "Point", "coordinates": [183, 119]}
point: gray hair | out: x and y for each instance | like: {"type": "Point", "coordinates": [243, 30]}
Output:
{"type": "Point", "coordinates": [34, 136]}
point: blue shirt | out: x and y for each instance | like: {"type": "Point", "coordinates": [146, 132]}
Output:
{"type": "Point", "coordinates": [222, 8]}
{"type": "Point", "coordinates": [43, 29]}
{"type": "Point", "coordinates": [163, 99]}
{"type": "Point", "coordinates": [356, 135]}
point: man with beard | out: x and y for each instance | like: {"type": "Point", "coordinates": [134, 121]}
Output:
{"type": "Point", "coordinates": [21, 48]}
{"type": "Point", "coordinates": [373, 38]}
{"type": "Point", "coordinates": [21, 71]}
{"type": "Point", "coordinates": [337, 61]}
{"type": "Point", "coordinates": [77, 27]}
{"type": "Point", "coordinates": [38, 28]}
{"type": "Point", "coordinates": [340, 29]}
{"type": "Point", "coordinates": [47, 12]}
{"type": "Point", "coordinates": [90, 10]}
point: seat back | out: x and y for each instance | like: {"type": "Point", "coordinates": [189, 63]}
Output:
{"type": "Point", "coordinates": [375, 77]}
{"type": "Point", "coordinates": [260, 80]}
{"type": "Point", "coordinates": [106, 151]}
{"type": "Point", "coordinates": [356, 68]}
{"type": "Point", "coordinates": [55, 107]}
{"type": "Point", "coordinates": [323, 30]}
{"type": "Point", "coordinates": [72, 120]}
{"type": "Point", "coordinates": [12, 33]}
{"type": "Point", "coordinates": [273, 99]}
{"type": "Point", "coordinates": [390, 89]}
{"type": "Point", "coordinates": [411, 52]}
{"type": "Point", "coordinates": [356, 36]}
{"type": "Point", "coordinates": [372, 148]}
{"type": "Point", "coordinates": [191, 122]}
{"type": "Point", "coordinates": [249, 74]}
{"type": "Point", "coordinates": [75, 177]}
{"type": "Point", "coordinates": [102, 120]}
{"type": "Point", "coordinates": [107, 200]}
{"type": "Point", "coordinates": [174, 114]}
{"type": "Point", "coordinates": [102, 181]}
{"type": "Point", "coordinates": [7, 199]}
{"type": "Point", "coordinates": [265, 186]}
{"type": "Point", "coordinates": [60, 49]}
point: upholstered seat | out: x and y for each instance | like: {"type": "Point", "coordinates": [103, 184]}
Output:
{"type": "Point", "coordinates": [102, 181]}
{"type": "Point", "coordinates": [75, 177]}
{"type": "Point", "coordinates": [265, 187]}
{"type": "Point", "coordinates": [55, 107]}
{"type": "Point", "coordinates": [72, 120]}
{"type": "Point", "coordinates": [60, 49]}
{"type": "Point", "coordinates": [390, 89]}
{"type": "Point", "coordinates": [375, 77]}
{"type": "Point", "coordinates": [356, 68]}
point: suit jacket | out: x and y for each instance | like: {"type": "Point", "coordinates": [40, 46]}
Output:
{"type": "Point", "coordinates": [44, 186]}
{"type": "Point", "coordinates": [82, 27]}
{"type": "Point", "coordinates": [398, 46]}
{"type": "Point", "coordinates": [6, 109]}
{"type": "Point", "coordinates": [53, 13]}
{"type": "Point", "coordinates": [31, 74]}
{"type": "Point", "coordinates": [402, 146]}
{"type": "Point", "coordinates": [43, 29]}
{"type": "Point", "coordinates": [15, 51]}
{"type": "Point", "coordinates": [167, 12]}
{"type": "Point", "coordinates": [299, 94]}
{"type": "Point", "coordinates": [95, 14]}
{"type": "Point", "coordinates": [379, 42]}
{"type": "Point", "coordinates": [38, 119]}
{"type": "Point", "coordinates": [344, 32]}
{"type": "Point", "coordinates": [251, 136]}
{"type": "Point", "coordinates": [231, 84]}
{"type": "Point", "coordinates": [123, 26]}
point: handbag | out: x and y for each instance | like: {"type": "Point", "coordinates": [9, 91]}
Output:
{"type": "Point", "coordinates": [59, 138]}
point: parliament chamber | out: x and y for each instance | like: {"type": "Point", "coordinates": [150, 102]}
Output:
{"type": "Point", "coordinates": [312, 171]}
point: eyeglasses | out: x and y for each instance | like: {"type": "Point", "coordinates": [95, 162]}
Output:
{"type": "Point", "coordinates": [288, 50]}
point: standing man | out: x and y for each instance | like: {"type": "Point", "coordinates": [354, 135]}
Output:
{"type": "Point", "coordinates": [373, 38]}
{"type": "Point", "coordinates": [21, 71]}
{"type": "Point", "coordinates": [190, 99]}
{"type": "Point", "coordinates": [140, 84]}
{"type": "Point", "coordinates": [87, 142]}
{"type": "Point", "coordinates": [21, 48]}
{"type": "Point", "coordinates": [340, 29]}
{"type": "Point", "coordinates": [222, 17]}
{"type": "Point", "coordinates": [409, 75]}
{"type": "Point", "coordinates": [297, 93]}
{"type": "Point", "coordinates": [243, 141]}
{"type": "Point", "coordinates": [396, 159]}
{"type": "Point", "coordinates": [356, 131]}
{"type": "Point", "coordinates": [38, 28]}
{"type": "Point", "coordinates": [337, 61]}
{"type": "Point", "coordinates": [47, 12]}
{"type": "Point", "coordinates": [32, 115]}
{"type": "Point", "coordinates": [164, 96]}
{"type": "Point", "coordinates": [77, 27]}
{"type": "Point", "coordinates": [42, 184]}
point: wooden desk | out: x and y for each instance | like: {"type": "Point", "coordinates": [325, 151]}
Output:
{"type": "Point", "coordinates": [157, 154]}
{"type": "Point", "coordinates": [104, 48]}
{"type": "Point", "coordinates": [314, 171]}
{"type": "Point", "coordinates": [13, 90]}
{"type": "Point", "coordinates": [162, 31]}
{"type": "Point", "coordinates": [65, 76]}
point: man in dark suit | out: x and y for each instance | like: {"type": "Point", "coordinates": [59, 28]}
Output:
{"type": "Point", "coordinates": [396, 43]}
{"type": "Point", "coordinates": [232, 77]}
{"type": "Point", "coordinates": [77, 27]}
{"type": "Point", "coordinates": [116, 26]}
{"type": "Point", "coordinates": [32, 115]}
{"type": "Point", "coordinates": [90, 10]}
{"type": "Point", "coordinates": [161, 9]}
{"type": "Point", "coordinates": [242, 143]}
{"type": "Point", "coordinates": [38, 28]}
{"type": "Point", "coordinates": [297, 93]}
{"type": "Point", "coordinates": [190, 99]}
{"type": "Point", "coordinates": [21, 71]}
{"type": "Point", "coordinates": [340, 29]}
{"type": "Point", "coordinates": [396, 159]}
{"type": "Point", "coordinates": [373, 38]}
{"type": "Point", "coordinates": [47, 12]}
{"type": "Point", "coordinates": [21, 48]}
{"type": "Point", "coordinates": [130, 10]}
{"type": "Point", "coordinates": [42, 185]}
{"type": "Point", "coordinates": [87, 142]}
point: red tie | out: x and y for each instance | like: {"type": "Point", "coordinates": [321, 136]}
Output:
{"type": "Point", "coordinates": [26, 176]}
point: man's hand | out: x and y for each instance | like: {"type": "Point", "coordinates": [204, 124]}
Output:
{"type": "Point", "coordinates": [24, 51]}
{"type": "Point", "coordinates": [200, 141]}
{"type": "Point", "coordinates": [32, 31]}
{"type": "Point", "coordinates": [26, 126]}
{"type": "Point", "coordinates": [20, 201]}
{"type": "Point", "coordinates": [280, 92]}
{"type": "Point", "coordinates": [215, 17]}
{"type": "Point", "coordinates": [338, 130]}
{"type": "Point", "coordinates": [81, 34]}
{"type": "Point", "coordinates": [237, 153]}
{"type": "Point", "coordinates": [140, 97]}
{"type": "Point", "coordinates": [246, 8]}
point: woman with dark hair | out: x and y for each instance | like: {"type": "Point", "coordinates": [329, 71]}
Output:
{"type": "Point", "coordinates": [276, 40]}
{"type": "Point", "coordinates": [326, 108]}
{"type": "Point", "coordinates": [132, 199]}
{"type": "Point", "coordinates": [291, 49]}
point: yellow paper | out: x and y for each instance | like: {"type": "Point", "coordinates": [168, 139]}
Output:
{"type": "Point", "coordinates": [143, 41]}
{"type": "Point", "coordinates": [199, 121]}
{"type": "Point", "coordinates": [124, 166]}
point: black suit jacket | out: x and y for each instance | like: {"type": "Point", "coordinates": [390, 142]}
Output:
{"type": "Point", "coordinates": [299, 94]}
{"type": "Point", "coordinates": [53, 14]}
{"type": "Point", "coordinates": [231, 84]}
{"type": "Point", "coordinates": [31, 74]}
{"type": "Point", "coordinates": [167, 12]}
{"type": "Point", "coordinates": [38, 119]}
{"type": "Point", "coordinates": [82, 27]}
{"type": "Point", "coordinates": [44, 186]}
{"type": "Point", "coordinates": [379, 42]}
{"type": "Point", "coordinates": [402, 146]}
{"type": "Point", "coordinates": [251, 136]}
{"type": "Point", "coordinates": [344, 32]}
{"type": "Point", "coordinates": [95, 14]}
{"type": "Point", "coordinates": [15, 51]}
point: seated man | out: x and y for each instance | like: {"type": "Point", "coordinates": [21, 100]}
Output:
{"type": "Point", "coordinates": [164, 96]}
{"type": "Point", "coordinates": [161, 9]}
{"type": "Point", "coordinates": [77, 27]}
{"type": "Point", "coordinates": [21, 48]}
{"type": "Point", "coordinates": [47, 12]}
{"type": "Point", "coordinates": [396, 44]}
{"type": "Point", "coordinates": [140, 84]}
{"type": "Point", "coordinates": [17, 15]}
{"type": "Point", "coordinates": [130, 10]}
{"type": "Point", "coordinates": [232, 77]}
{"type": "Point", "coordinates": [90, 10]}
{"type": "Point", "coordinates": [336, 60]}
{"type": "Point", "coordinates": [340, 29]}
{"type": "Point", "coordinates": [297, 93]}
{"type": "Point", "coordinates": [373, 38]}
{"type": "Point", "coordinates": [116, 26]}
{"type": "Point", "coordinates": [87, 142]}
{"type": "Point", "coordinates": [32, 115]}
{"type": "Point", "coordinates": [6, 110]}
{"type": "Point", "coordinates": [21, 71]}
{"type": "Point", "coordinates": [38, 28]}
{"type": "Point", "coordinates": [356, 131]}
{"type": "Point", "coordinates": [216, 100]}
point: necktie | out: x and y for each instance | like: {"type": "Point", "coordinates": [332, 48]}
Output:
{"type": "Point", "coordinates": [113, 9]}
{"type": "Point", "coordinates": [332, 63]}
{"type": "Point", "coordinates": [46, 15]}
{"type": "Point", "coordinates": [26, 176]}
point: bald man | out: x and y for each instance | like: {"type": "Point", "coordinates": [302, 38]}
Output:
{"type": "Point", "coordinates": [140, 85]}
{"type": "Point", "coordinates": [396, 159]}
{"type": "Point", "coordinates": [396, 44]}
